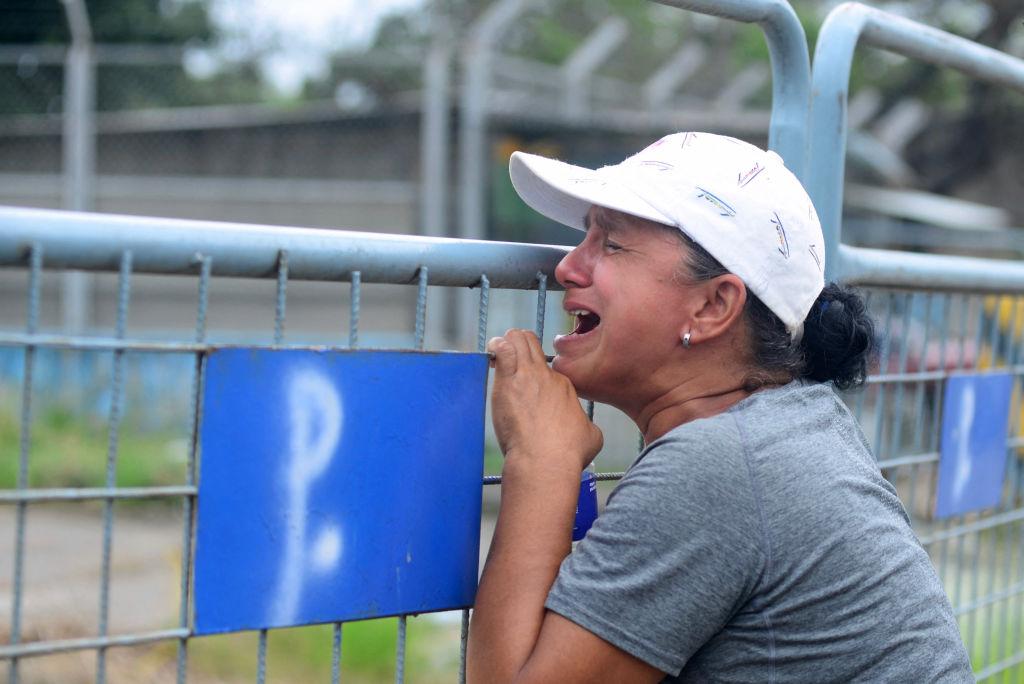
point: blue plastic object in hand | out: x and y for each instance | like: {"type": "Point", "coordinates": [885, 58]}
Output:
{"type": "Point", "coordinates": [586, 505]}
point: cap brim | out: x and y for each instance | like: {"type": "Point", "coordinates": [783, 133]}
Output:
{"type": "Point", "coordinates": [565, 193]}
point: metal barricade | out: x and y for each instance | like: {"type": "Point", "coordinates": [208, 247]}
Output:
{"type": "Point", "coordinates": [939, 315]}
{"type": "Point", "coordinates": [40, 240]}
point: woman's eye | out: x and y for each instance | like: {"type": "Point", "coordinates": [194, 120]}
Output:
{"type": "Point", "coordinates": [612, 246]}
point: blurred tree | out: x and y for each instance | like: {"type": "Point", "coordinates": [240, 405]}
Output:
{"type": "Point", "coordinates": [112, 21]}
{"type": "Point", "coordinates": [971, 126]}
{"type": "Point", "coordinates": [986, 123]}
{"type": "Point", "coordinates": [391, 64]}
{"type": "Point", "coordinates": [33, 85]}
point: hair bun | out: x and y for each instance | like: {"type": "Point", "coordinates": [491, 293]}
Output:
{"type": "Point", "coordinates": [838, 338]}
{"type": "Point", "coordinates": [830, 307]}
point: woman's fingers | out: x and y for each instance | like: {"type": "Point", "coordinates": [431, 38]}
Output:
{"type": "Point", "coordinates": [535, 411]}
{"type": "Point", "coordinates": [527, 345]}
{"type": "Point", "coordinates": [505, 356]}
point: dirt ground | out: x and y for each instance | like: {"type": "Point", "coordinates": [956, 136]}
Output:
{"type": "Point", "coordinates": [61, 583]}
{"type": "Point", "coordinates": [61, 589]}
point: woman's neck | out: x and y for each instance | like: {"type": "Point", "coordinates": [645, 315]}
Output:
{"type": "Point", "coordinates": [683, 404]}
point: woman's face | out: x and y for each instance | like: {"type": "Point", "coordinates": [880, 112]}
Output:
{"type": "Point", "coordinates": [622, 282]}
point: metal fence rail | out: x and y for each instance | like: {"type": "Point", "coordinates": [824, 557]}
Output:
{"type": "Point", "coordinates": [844, 29]}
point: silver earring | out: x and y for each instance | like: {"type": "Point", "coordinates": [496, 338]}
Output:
{"type": "Point", "coordinates": [686, 340]}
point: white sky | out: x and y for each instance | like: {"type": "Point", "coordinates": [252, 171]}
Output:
{"type": "Point", "coordinates": [301, 32]}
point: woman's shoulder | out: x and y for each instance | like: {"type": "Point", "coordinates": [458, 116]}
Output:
{"type": "Point", "coordinates": [712, 433]}
{"type": "Point", "coordinates": [796, 409]}
{"type": "Point", "coordinates": [711, 446]}
{"type": "Point", "coordinates": [800, 392]}
{"type": "Point", "coordinates": [803, 430]}
{"type": "Point", "coordinates": [727, 429]}
{"type": "Point", "coordinates": [788, 420]}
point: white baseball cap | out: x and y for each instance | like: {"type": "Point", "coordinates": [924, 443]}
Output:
{"type": "Point", "coordinates": [737, 201]}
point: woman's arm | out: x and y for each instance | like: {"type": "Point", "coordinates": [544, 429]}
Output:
{"type": "Point", "coordinates": [547, 440]}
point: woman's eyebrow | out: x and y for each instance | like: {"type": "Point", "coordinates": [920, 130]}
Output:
{"type": "Point", "coordinates": [609, 227]}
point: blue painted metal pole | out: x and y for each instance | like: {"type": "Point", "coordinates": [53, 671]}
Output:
{"type": "Point", "coordinates": [846, 27]}
{"type": "Point", "coordinates": [791, 68]}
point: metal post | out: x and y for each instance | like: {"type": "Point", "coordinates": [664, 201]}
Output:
{"type": "Point", "coordinates": [421, 308]}
{"type": "Point", "coordinates": [35, 260]}
{"type": "Point", "coordinates": [282, 296]}
{"type": "Point", "coordinates": [791, 68]}
{"type": "Point", "coordinates": [435, 146]}
{"type": "Point", "coordinates": [476, 65]}
{"type": "Point", "coordinates": [542, 298]}
{"type": "Point", "coordinates": [400, 650]}
{"type": "Point", "coordinates": [336, 654]}
{"type": "Point", "coordinates": [261, 657]}
{"type": "Point", "coordinates": [113, 440]}
{"type": "Point", "coordinates": [485, 296]}
{"type": "Point", "coordinates": [353, 314]}
{"type": "Point", "coordinates": [660, 86]}
{"type": "Point", "coordinates": [195, 397]}
{"type": "Point", "coordinates": [79, 152]}
{"type": "Point", "coordinates": [581, 64]}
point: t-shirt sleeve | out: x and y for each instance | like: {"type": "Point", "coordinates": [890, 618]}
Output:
{"type": "Point", "coordinates": [676, 552]}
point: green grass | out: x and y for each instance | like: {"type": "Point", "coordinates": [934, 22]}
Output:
{"type": "Point", "coordinates": [69, 450]}
{"type": "Point", "coordinates": [305, 653]}
{"type": "Point", "coordinates": [992, 638]}
{"type": "Point", "coordinates": [493, 460]}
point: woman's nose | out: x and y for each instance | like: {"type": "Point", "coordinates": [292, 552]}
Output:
{"type": "Point", "coordinates": [572, 270]}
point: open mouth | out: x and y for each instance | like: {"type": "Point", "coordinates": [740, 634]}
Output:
{"type": "Point", "coordinates": [585, 321]}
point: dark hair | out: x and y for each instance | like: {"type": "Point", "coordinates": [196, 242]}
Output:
{"type": "Point", "coordinates": [838, 337]}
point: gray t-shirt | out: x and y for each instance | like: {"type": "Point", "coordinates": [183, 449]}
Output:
{"type": "Point", "coordinates": [762, 544]}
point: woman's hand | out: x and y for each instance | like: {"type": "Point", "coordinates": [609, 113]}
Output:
{"type": "Point", "coordinates": [547, 439]}
{"type": "Point", "coordinates": [535, 411]}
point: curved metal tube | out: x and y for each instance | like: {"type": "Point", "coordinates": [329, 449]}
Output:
{"type": "Point", "coordinates": [476, 65]}
{"type": "Point", "coordinates": [844, 28]}
{"type": "Point", "coordinates": [791, 68]}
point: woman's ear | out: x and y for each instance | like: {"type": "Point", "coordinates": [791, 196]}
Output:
{"type": "Point", "coordinates": [724, 298]}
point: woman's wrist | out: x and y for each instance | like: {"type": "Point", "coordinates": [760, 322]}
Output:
{"type": "Point", "coordinates": [541, 466]}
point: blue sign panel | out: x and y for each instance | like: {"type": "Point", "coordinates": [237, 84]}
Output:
{"type": "Point", "coordinates": [972, 459]}
{"type": "Point", "coordinates": [337, 486]}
